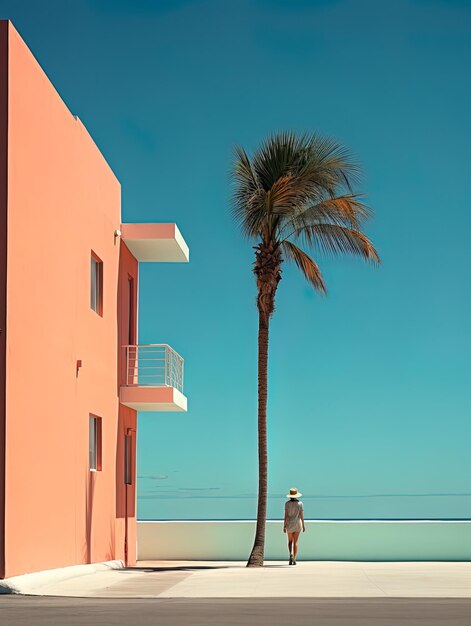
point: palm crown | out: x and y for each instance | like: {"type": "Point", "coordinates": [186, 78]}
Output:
{"type": "Point", "coordinates": [300, 189]}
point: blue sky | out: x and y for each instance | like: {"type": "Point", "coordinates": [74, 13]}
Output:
{"type": "Point", "coordinates": [369, 403]}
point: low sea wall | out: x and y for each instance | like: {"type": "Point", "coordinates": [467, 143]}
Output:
{"type": "Point", "coordinates": [324, 540]}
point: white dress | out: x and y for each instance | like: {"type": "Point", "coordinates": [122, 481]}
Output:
{"type": "Point", "coordinates": [293, 510]}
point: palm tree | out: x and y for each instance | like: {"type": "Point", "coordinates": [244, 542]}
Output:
{"type": "Point", "coordinates": [295, 188]}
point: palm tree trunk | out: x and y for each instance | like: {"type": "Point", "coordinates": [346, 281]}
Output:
{"type": "Point", "coordinates": [258, 550]}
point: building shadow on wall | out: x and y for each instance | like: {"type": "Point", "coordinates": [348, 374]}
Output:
{"type": "Point", "coordinates": [89, 500]}
{"type": "Point", "coordinates": [111, 551]}
{"type": "Point", "coordinates": [88, 552]}
{"type": "Point", "coordinates": [120, 491]}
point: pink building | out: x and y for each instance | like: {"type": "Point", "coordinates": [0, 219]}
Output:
{"type": "Point", "coordinates": [71, 376]}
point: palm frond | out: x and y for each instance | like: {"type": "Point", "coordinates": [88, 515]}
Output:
{"type": "Point", "coordinates": [308, 266]}
{"type": "Point", "coordinates": [277, 156]}
{"type": "Point", "coordinates": [330, 165]}
{"type": "Point", "coordinates": [248, 198]}
{"type": "Point", "coordinates": [323, 161]}
{"type": "Point", "coordinates": [288, 195]}
{"type": "Point", "coordinates": [334, 239]}
{"type": "Point", "coordinates": [346, 210]}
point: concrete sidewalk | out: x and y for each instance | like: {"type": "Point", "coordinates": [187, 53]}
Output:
{"type": "Point", "coordinates": [322, 579]}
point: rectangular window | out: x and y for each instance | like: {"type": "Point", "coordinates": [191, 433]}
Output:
{"type": "Point", "coordinates": [128, 460]}
{"type": "Point", "coordinates": [94, 443]}
{"type": "Point", "coordinates": [96, 284]}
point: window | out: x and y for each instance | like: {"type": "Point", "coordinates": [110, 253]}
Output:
{"type": "Point", "coordinates": [94, 443]}
{"type": "Point", "coordinates": [96, 284]}
{"type": "Point", "coordinates": [128, 460]}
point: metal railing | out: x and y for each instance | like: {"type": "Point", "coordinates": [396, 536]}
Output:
{"type": "Point", "coordinates": [154, 365]}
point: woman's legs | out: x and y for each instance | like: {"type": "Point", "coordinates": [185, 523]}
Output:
{"type": "Point", "coordinates": [290, 543]}
{"type": "Point", "coordinates": [295, 544]}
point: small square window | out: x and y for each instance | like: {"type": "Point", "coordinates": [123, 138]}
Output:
{"type": "Point", "coordinates": [94, 443]}
{"type": "Point", "coordinates": [96, 284]}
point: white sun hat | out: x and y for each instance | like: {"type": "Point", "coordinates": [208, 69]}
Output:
{"type": "Point", "coordinates": [293, 493]}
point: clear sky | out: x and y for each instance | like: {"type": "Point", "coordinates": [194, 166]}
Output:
{"type": "Point", "coordinates": [369, 396]}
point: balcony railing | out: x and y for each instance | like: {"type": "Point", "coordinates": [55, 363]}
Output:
{"type": "Point", "coordinates": [154, 365]}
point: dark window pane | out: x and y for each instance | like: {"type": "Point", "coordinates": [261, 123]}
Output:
{"type": "Point", "coordinates": [92, 447]}
{"type": "Point", "coordinates": [96, 284]}
{"type": "Point", "coordinates": [128, 460]}
{"type": "Point", "coordinates": [93, 285]}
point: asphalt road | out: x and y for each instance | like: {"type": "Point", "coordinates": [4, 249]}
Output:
{"type": "Point", "coordinates": [41, 611]}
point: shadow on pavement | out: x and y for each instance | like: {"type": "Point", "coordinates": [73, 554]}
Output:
{"type": "Point", "coordinates": [172, 568]}
{"type": "Point", "coordinates": [186, 568]}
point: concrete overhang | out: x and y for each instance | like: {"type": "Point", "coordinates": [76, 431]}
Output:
{"type": "Point", "coordinates": [146, 398]}
{"type": "Point", "coordinates": [158, 243]}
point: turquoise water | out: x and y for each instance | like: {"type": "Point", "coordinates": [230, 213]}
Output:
{"type": "Point", "coordinates": [371, 506]}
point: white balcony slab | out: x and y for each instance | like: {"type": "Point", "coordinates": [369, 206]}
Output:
{"type": "Point", "coordinates": [157, 243]}
{"type": "Point", "coordinates": [148, 398]}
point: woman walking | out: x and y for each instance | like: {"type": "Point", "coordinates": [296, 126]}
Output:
{"type": "Point", "coordinates": [293, 522]}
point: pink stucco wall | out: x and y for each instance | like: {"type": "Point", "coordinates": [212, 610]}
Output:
{"type": "Point", "coordinates": [63, 203]}
{"type": "Point", "coordinates": [3, 270]}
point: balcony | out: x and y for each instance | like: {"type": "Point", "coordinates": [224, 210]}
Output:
{"type": "Point", "coordinates": [154, 379]}
{"type": "Point", "coordinates": [157, 243]}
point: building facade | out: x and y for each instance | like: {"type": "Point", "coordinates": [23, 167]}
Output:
{"type": "Point", "coordinates": [71, 375]}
